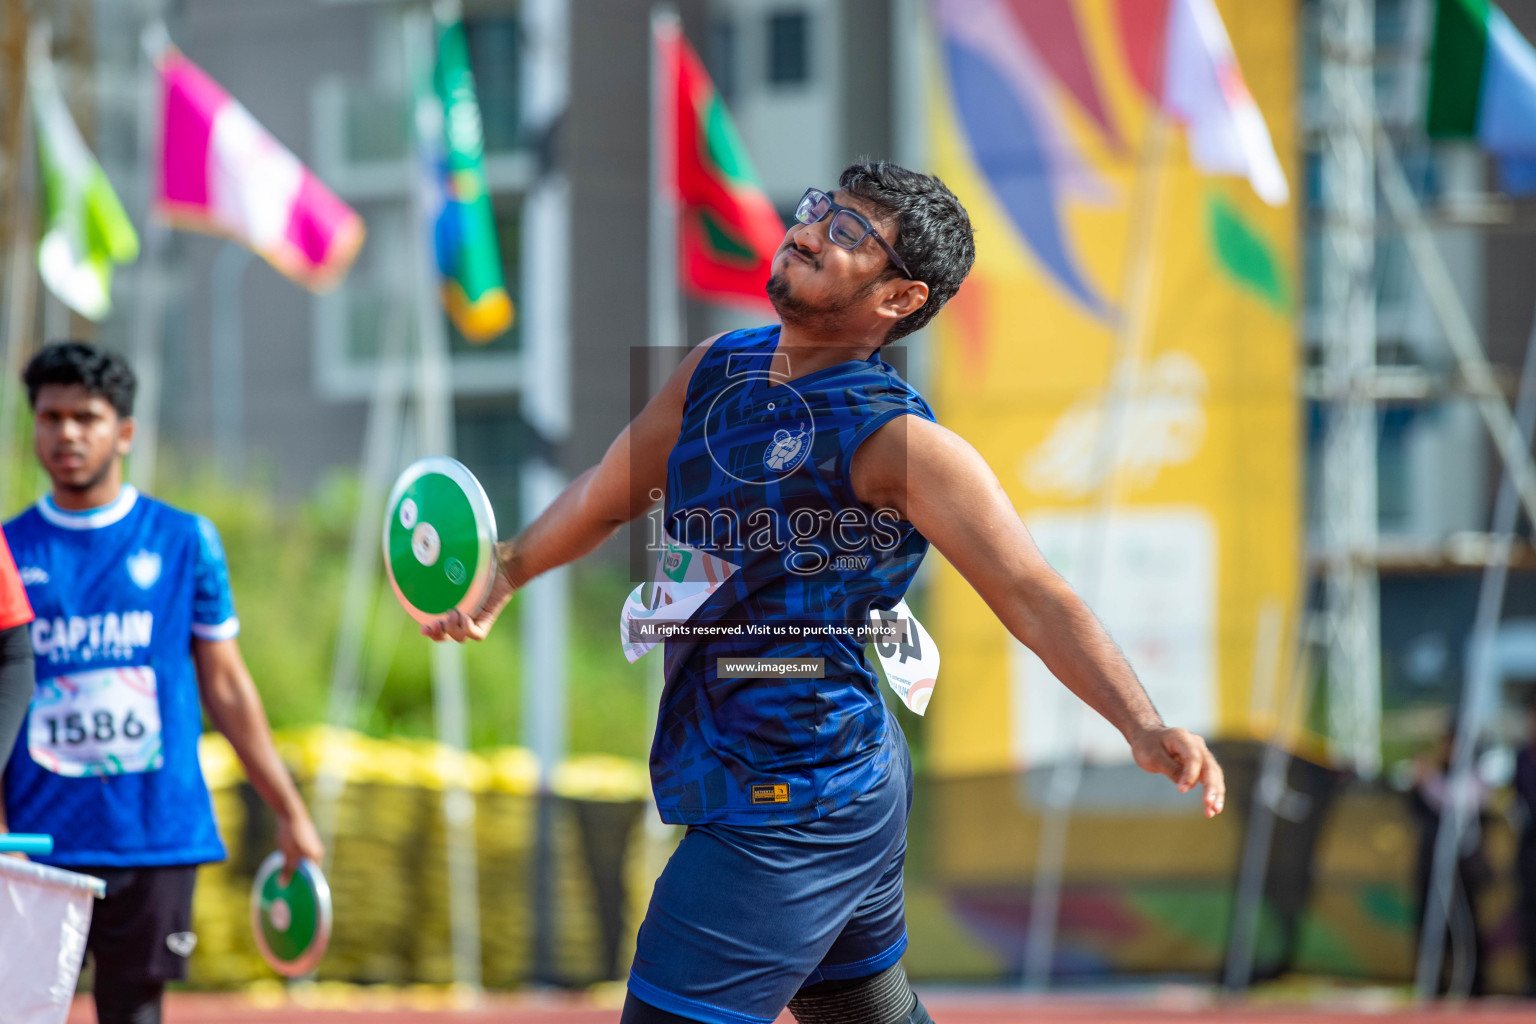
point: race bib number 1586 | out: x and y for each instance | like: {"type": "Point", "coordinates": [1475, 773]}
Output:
{"type": "Point", "coordinates": [105, 722]}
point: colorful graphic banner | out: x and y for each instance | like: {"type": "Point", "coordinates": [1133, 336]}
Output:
{"type": "Point", "coordinates": [1092, 179]}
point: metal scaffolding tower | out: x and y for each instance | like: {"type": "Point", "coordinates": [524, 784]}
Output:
{"type": "Point", "coordinates": [1348, 511]}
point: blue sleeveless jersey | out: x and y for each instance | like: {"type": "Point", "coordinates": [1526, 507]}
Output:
{"type": "Point", "coordinates": [119, 593]}
{"type": "Point", "coordinates": [760, 476]}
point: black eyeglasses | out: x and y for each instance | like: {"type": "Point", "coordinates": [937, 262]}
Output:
{"type": "Point", "coordinates": [847, 229]}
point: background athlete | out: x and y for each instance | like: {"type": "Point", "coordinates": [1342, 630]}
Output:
{"type": "Point", "coordinates": [786, 889]}
{"type": "Point", "coordinates": [135, 623]}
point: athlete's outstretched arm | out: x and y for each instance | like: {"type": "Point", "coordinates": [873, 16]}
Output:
{"type": "Point", "coordinates": [591, 508]}
{"type": "Point", "coordinates": [940, 484]}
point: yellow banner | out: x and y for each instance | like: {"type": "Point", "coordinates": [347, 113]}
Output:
{"type": "Point", "coordinates": [1093, 239]}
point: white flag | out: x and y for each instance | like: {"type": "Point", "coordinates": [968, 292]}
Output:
{"type": "Point", "coordinates": [1204, 88]}
{"type": "Point", "coordinates": [45, 916]}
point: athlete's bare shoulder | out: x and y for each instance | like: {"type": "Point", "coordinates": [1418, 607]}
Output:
{"type": "Point", "coordinates": [677, 382]}
{"type": "Point", "coordinates": [697, 352]}
{"type": "Point", "coordinates": [655, 428]}
{"type": "Point", "coordinates": [904, 452]}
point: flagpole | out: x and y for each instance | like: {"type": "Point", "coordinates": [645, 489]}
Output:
{"type": "Point", "coordinates": [20, 277]}
{"type": "Point", "coordinates": [435, 430]}
{"type": "Point", "coordinates": [911, 29]}
{"type": "Point", "coordinates": [380, 457]}
{"type": "Point", "coordinates": [1478, 694]}
{"type": "Point", "coordinates": [145, 343]}
{"type": "Point", "coordinates": [1511, 435]}
{"type": "Point", "coordinates": [665, 328]}
{"type": "Point", "coordinates": [20, 297]}
{"type": "Point", "coordinates": [1460, 335]}
{"type": "Point", "coordinates": [666, 313]}
{"type": "Point", "coordinates": [226, 357]}
{"type": "Point", "coordinates": [40, 42]}
{"type": "Point", "coordinates": [543, 608]}
{"type": "Point", "coordinates": [1132, 337]}
{"type": "Point", "coordinates": [40, 45]}
{"type": "Point", "coordinates": [1268, 789]}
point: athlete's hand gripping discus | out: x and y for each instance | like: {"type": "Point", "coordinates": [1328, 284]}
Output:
{"type": "Point", "coordinates": [439, 540]}
{"type": "Point", "coordinates": [292, 922]}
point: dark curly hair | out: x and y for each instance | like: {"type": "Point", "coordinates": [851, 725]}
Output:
{"type": "Point", "coordinates": [933, 231]}
{"type": "Point", "coordinates": [100, 371]}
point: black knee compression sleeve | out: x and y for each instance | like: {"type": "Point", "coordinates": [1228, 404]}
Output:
{"type": "Point", "coordinates": [883, 998]}
{"type": "Point", "coordinates": [128, 1002]}
{"type": "Point", "coordinates": [638, 1011]}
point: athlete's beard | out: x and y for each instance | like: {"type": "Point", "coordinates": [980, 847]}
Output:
{"type": "Point", "coordinates": [93, 481]}
{"type": "Point", "coordinates": [796, 312]}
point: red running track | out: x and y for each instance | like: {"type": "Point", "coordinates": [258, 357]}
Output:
{"type": "Point", "coordinates": [360, 1007]}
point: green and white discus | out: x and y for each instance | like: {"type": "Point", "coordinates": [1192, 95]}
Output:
{"type": "Point", "coordinates": [439, 539]}
{"type": "Point", "coordinates": [292, 922]}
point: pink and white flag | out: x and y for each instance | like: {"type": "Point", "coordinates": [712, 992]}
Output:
{"type": "Point", "coordinates": [1179, 52]}
{"type": "Point", "coordinates": [1205, 89]}
{"type": "Point", "coordinates": [222, 172]}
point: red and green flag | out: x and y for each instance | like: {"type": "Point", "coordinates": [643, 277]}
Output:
{"type": "Point", "coordinates": [1482, 86]}
{"type": "Point", "coordinates": [729, 228]}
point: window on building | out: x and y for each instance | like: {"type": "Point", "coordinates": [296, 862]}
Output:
{"type": "Point", "coordinates": [376, 127]}
{"type": "Point", "coordinates": [495, 47]}
{"type": "Point", "coordinates": [720, 56]}
{"type": "Point", "coordinates": [1394, 429]}
{"type": "Point", "coordinates": [493, 439]}
{"type": "Point", "coordinates": [789, 46]}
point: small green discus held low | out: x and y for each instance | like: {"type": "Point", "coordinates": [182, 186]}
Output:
{"type": "Point", "coordinates": [292, 922]}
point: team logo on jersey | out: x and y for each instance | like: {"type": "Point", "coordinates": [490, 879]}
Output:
{"type": "Point", "coordinates": [144, 568]}
{"type": "Point", "coordinates": [787, 450]}
{"type": "Point", "coordinates": [181, 943]}
{"type": "Point", "coordinates": [32, 576]}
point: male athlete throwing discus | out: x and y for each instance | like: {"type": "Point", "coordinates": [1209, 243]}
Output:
{"type": "Point", "coordinates": [807, 479]}
{"type": "Point", "coordinates": [135, 623]}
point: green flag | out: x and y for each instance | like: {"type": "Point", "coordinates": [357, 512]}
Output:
{"type": "Point", "coordinates": [468, 256]}
{"type": "Point", "coordinates": [1482, 85]}
{"type": "Point", "coordinates": [85, 230]}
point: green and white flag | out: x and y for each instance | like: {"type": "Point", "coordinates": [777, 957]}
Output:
{"type": "Point", "coordinates": [1482, 86]}
{"type": "Point", "coordinates": [464, 230]}
{"type": "Point", "coordinates": [85, 230]}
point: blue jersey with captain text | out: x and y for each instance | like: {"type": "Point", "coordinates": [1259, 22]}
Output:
{"type": "Point", "coordinates": [760, 477]}
{"type": "Point", "coordinates": [107, 762]}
